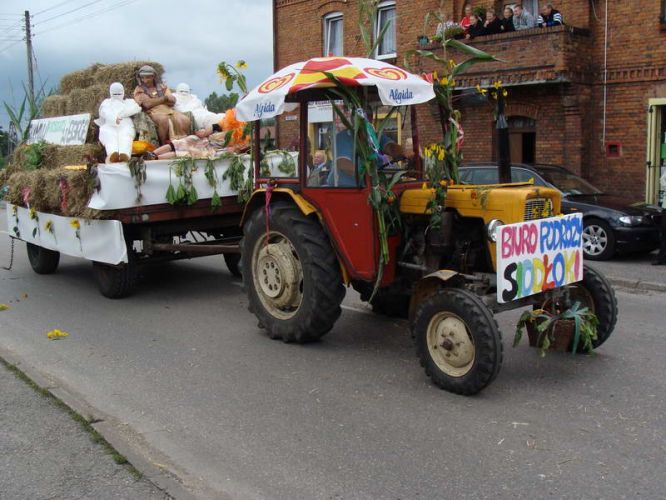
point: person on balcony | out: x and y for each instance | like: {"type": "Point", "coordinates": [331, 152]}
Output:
{"type": "Point", "coordinates": [549, 17]}
{"type": "Point", "coordinates": [475, 28]}
{"type": "Point", "coordinates": [466, 21]}
{"type": "Point", "coordinates": [493, 24]}
{"type": "Point", "coordinates": [507, 22]}
{"type": "Point", "coordinates": [522, 20]}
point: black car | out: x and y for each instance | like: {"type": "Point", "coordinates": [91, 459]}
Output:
{"type": "Point", "coordinates": [611, 224]}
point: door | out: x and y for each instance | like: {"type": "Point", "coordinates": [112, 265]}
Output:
{"type": "Point", "coordinates": [522, 136]}
{"type": "Point", "coordinates": [656, 151]}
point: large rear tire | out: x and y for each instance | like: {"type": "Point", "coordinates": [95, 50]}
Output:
{"type": "Point", "coordinates": [291, 274]}
{"type": "Point", "coordinates": [457, 341]}
{"type": "Point", "coordinates": [116, 282]}
{"type": "Point", "coordinates": [42, 260]}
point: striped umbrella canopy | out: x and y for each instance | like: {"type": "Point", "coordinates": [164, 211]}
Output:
{"type": "Point", "coordinates": [396, 87]}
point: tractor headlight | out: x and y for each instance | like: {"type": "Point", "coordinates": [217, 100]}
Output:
{"type": "Point", "coordinates": [491, 229]}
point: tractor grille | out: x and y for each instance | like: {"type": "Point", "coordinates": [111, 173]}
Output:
{"type": "Point", "coordinates": [538, 208]}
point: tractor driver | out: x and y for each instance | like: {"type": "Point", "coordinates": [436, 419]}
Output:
{"type": "Point", "coordinates": [343, 173]}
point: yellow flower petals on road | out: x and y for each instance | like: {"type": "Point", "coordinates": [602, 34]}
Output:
{"type": "Point", "coordinates": [4, 307]}
{"type": "Point", "coordinates": [56, 334]}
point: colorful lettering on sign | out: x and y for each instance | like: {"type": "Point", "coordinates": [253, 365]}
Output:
{"type": "Point", "coordinates": [536, 256]}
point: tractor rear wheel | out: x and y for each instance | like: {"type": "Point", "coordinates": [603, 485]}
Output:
{"type": "Point", "coordinates": [42, 260]}
{"type": "Point", "coordinates": [457, 341]}
{"type": "Point", "coordinates": [291, 274]}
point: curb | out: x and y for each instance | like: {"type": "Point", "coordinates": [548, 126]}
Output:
{"type": "Point", "coordinates": [646, 286]}
{"type": "Point", "coordinates": [167, 478]}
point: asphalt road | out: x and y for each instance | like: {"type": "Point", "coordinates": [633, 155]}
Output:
{"type": "Point", "coordinates": [189, 388]}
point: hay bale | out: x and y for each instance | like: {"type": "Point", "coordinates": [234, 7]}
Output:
{"type": "Point", "coordinates": [54, 105]}
{"type": "Point", "coordinates": [81, 186]}
{"type": "Point", "coordinates": [87, 100]}
{"type": "Point", "coordinates": [78, 79]}
{"type": "Point", "coordinates": [17, 181]}
{"type": "Point", "coordinates": [124, 73]}
{"type": "Point", "coordinates": [61, 156]}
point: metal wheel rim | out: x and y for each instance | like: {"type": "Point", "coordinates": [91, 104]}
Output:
{"type": "Point", "coordinates": [450, 344]}
{"type": "Point", "coordinates": [277, 275]}
{"type": "Point", "coordinates": [595, 239]}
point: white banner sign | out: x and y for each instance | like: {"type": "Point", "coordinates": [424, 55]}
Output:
{"type": "Point", "coordinates": [61, 130]}
{"type": "Point", "coordinates": [538, 255]}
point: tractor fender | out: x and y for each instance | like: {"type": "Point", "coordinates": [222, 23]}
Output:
{"type": "Point", "coordinates": [258, 199]}
{"type": "Point", "coordinates": [428, 285]}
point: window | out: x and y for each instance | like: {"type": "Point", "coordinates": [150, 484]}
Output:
{"type": "Point", "coordinates": [386, 18]}
{"type": "Point", "coordinates": [333, 34]}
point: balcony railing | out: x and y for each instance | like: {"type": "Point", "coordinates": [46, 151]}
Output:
{"type": "Point", "coordinates": [561, 54]}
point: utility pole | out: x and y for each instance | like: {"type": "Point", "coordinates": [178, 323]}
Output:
{"type": "Point", "coordinates": [28, 44]}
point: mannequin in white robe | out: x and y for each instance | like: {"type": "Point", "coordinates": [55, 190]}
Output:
{"type": "Point", "coordinates": [186, 101]}
{"type": "Point", "coordinates": [116, 130]}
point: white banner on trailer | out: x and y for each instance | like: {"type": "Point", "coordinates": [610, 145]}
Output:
{"type": "Point", "coordinates": [98, 240]}
{"type": "Point", "coordinates": [118, 190]}
{"type": "Point", "coordinates": [61, 130]}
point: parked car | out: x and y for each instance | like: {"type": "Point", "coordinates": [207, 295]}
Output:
{"type": "Point", "coordinates": [612, 224]}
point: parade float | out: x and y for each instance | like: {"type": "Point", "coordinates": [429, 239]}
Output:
{"type": "Point", "coordinates": [63, 198]}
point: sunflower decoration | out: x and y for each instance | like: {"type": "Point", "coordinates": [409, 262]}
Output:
{"type": "Point", "coordinates": [76, 225]}
{"type": "Point", "coordinates": [32, 213]}
{"type": "Point", "coordinates": [231, 74]}
{"type": "Point", "coordinates": [438, 181]}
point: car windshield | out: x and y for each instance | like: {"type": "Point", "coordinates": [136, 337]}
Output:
{"type": "Point", "coordinates": [570, 184]}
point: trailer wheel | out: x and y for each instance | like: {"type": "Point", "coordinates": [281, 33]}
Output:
{"type": "Point", "coordinates": [42, 260]}
{"type": "Point", "coordinates": [116, 282]}
{"type": "Point", "coordinates": [233, 261]}
{"type": "Point", "coordinates": [291, 274]}
{"type": "Point", "coordinates": [457, 341]}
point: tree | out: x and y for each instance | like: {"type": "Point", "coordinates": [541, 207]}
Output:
{"type": "Point", "coordinates": [220, 103]}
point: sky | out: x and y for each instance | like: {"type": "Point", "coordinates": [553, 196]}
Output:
{"type": "Point", "coordinates": [189, 38]}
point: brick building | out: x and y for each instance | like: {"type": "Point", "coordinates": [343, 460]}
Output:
{"type": "Point", "coordinates": [590, 95]}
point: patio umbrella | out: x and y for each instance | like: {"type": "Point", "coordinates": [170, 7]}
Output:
{"type": "Point", "coordinates": [396, 86]}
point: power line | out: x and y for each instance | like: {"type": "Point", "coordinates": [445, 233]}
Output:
{"type": "Point", "coordinates": [68, 12]}
{"type": "Point", "coordinates": [52, 7]}
{"type": "Point", "coordinates": [87, 16]}
{"type": "Point", "coordinates": [7, 47]}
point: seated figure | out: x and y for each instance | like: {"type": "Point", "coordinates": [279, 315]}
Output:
{"type": "Point", "coordinates": [157, 101]}
{"type": "Point", "coordinates": [188, 102]}
{"type": "Point", "coordinates": [116, 130]}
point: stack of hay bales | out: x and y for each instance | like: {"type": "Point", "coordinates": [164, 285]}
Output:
{"type": "Point", "coordinates": [48, 186]}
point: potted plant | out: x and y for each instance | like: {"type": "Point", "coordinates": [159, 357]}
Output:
{"type": "Point", "coordinates": [559, 330]}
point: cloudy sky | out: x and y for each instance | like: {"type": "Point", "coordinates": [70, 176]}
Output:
{"type": "Point", "coordinates": [188, 37]}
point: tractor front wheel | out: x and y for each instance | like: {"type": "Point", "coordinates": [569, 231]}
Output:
{"type": "Point", "coordinates": [291, 274]}
{"type": "Point", "coordinates": [457, 341]}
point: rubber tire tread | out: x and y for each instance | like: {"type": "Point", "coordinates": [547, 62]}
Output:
{"type": "Point", "coordinates": [485, 333]}
{"type": "Point", "coordinates": [322, 278]}
{"type": "Point", "coordinates": [42, 260]}
{"type": "Point", "coordinates": [116, 282]}
{"type": "Point", "coordinates": [609, 251]}
{"type": "Point", "coordinates": [605, 303]}
{"type": "Point", "coordinates": [232, 260]}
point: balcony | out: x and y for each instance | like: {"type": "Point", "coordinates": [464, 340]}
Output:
{"type": "Point", "coordinates": [561, 54]}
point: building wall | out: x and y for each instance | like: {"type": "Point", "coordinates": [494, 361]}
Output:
{"type": "Point", "coordinates": [569, 105]}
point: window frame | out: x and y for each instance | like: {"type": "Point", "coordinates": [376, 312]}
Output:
{"type": "Point", "coordinates": [382, 7]}
{"type": "Point", "coordinates": [327, 20]}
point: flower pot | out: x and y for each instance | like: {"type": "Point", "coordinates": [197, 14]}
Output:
{"type": "Point", "coordinates": [562, 334]}
{"type": "Point", "coordinates": [423, 40]}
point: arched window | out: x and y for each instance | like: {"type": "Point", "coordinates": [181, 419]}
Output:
{"type": "Point", "coordinates": [333, 33]}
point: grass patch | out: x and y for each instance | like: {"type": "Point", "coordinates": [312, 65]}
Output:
{"type": "Point", "coordinates": [84, 423]}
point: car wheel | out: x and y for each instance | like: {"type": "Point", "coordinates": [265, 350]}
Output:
{"type": "Point", "coordinates": [598, 240]}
